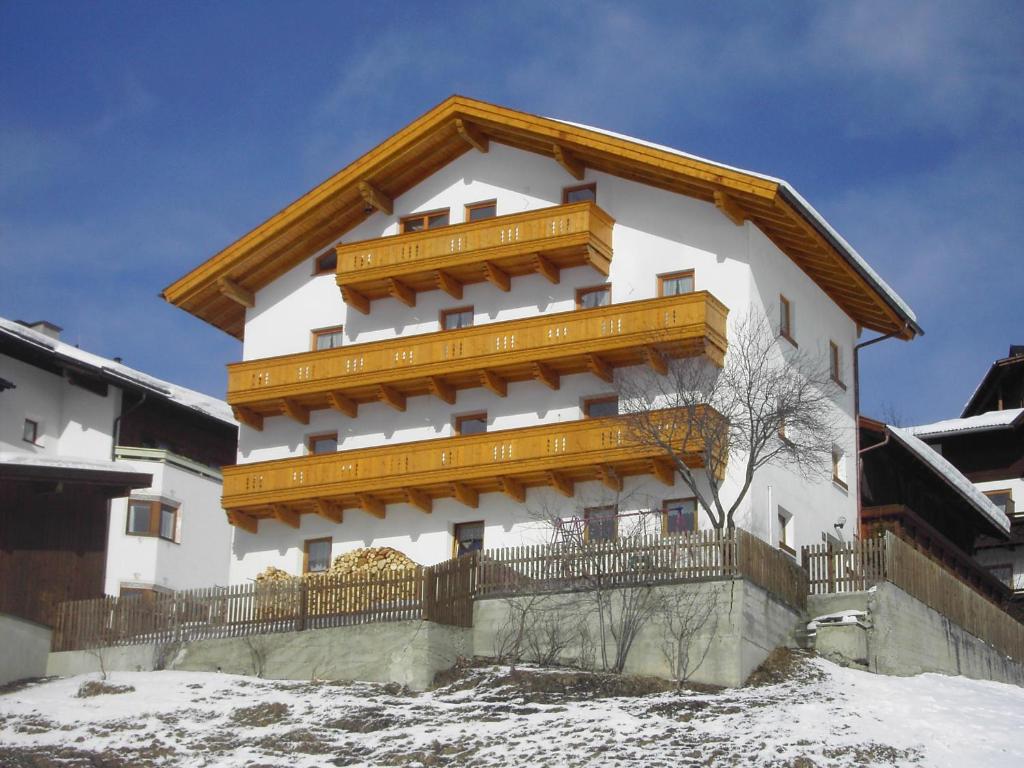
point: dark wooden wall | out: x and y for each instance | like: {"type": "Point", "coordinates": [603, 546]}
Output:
{"type": "Point", "coordinates": [52, 547]}
{"type": "Point", "coordinates": [158, 424]}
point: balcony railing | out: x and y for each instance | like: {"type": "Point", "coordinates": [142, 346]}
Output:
{"type": "Point", "coordinates": [544, 241]}
{"type": "Point", "coordinates": [545, 347]}
{"type": "Point", "coordinates": [509, 461]}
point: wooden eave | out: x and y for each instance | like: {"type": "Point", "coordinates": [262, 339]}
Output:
{"type": "Point", "coordinates": [430, 142]}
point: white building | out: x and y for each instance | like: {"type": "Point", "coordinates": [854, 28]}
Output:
{"type": "Point", "coordinates": [494, 267]}
{"type": "Point", "coordinates": [78, 434]}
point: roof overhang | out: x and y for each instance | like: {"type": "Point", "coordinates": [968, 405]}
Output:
{"type": "Point", "coordinates": [108, 478]}
{"type": "Point", "coordinates": [218, 290]}
{"type": "Point", "coordinates": [996, 372]}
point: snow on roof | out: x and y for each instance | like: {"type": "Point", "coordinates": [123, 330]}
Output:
{"type": "Point", "coordinates": [64, 462]}
{"type": "Point", "coordinates": [983, 422]}
{"type": "Point", "coordinates": [844, 248]}
{"type": "Point", "coordinates": [115, 371]}
{"type": "Point", "coordinates": [952, 476]}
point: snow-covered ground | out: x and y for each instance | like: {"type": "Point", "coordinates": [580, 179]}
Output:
{"type": "Point", "coordinates": [820, 715]}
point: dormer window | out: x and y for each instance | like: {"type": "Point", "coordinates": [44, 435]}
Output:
{"type": "Point", "coordinates": [580, 194]}
{"type": "Point", "coordinates": [429, 220]}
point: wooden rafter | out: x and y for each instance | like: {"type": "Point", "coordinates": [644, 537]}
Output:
{"type": "Point", "coordinates": [495, 383]}
{"type": "Point", "coordinates": [248, 417]}
{"type": "Point", "coordinates": [514, 489]}
{"type": "Point", "coordinates": [391, 396]}
{"type": "Point", "coordinates": [466, 495]}
{"type": "Point", "coordinates": [294, 410]}
{"type": "Point", "coordinates": [355, 299]}
{"type": "Point", "coordinates": [561, 483]}
{"type": "Point", "coordinates": [284, 515]}
{"type": "Point", "coordinates": [402, 292]}
{"type": "Point", "coordinates": [656, 360]}
{"type": "Point", "coordinates": [448, 284]}
{"type": "Point", "coordinates": [727, 204]}
{"type": "Point", "coordinates": [236, 292]}
{"type": "Point", "coordinates": [497, 276]}
{"type": "Point", "coordinates": [343, 404]}
{"type": "Point", "coordinates": [609, 477]}
{"type": "Point", "coordinates": [600, 368]}
{"type": "Point", "coordinates": [442, 389]}
{"type": "Point", "coordinates": [327, 510]}
{"type": "Point", "coordinates": [664, 471]}
{"type": "Point", "coordinates": [548, 269]}
{"type": "Point", "coordinates": [419, 499]}
{"type": "Point", "coordinates": [241, 520]}
{"type": "Point", "coordinates": [374, 198]}
{"type": "Point", "coordinates": [572, 164]}
{"type": "Point", "coordinates": [471, 135]}
{"type": "Point", "coordinates": [371, 505]}
{"type": "Point", "coordinates": [547, 374]}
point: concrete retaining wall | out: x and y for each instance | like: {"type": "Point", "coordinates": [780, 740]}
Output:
{"type": "Point", "coordinates": [24, 646]}
{"type": "Point", "coordinates": [745, 625]}
{"type": "Point", "coordinates": [903, 636]}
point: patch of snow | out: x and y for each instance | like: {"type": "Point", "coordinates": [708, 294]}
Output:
{"type": "Point", "coordinates": [64, 462]}
{"type": "Point", "coordinates": [851, 616]}
{"type": "Point", "coordinates": [952, 476]}
{"type": "Point", "coordinates": [113, 370]}
{"type": "Point", "coordinates": [983, 422]}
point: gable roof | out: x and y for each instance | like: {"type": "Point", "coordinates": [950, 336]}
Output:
{"type": "Point", "coordinates": [983, 422]}
{"type": "Point", "coordinates": [1013, 365]}
{"type": "Point", "coordinates": [113, 372]}
{"type": "Point", "coordinates": [459, 124]}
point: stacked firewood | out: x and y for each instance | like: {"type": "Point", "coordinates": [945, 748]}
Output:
{"type": "Point", "coordinates": [272, 575]}
{"type": "Point", "coordinates": [371, 561]}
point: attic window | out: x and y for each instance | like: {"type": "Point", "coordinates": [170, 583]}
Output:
{"type": "Point", "coordinates": [325, 262]}
{"type": "Point", "coordinates": [835, 363]}
{"type": "Point", "coordinates": [1003, 499]}
{"type": "Point", "coordinates": [675, 283]}
{"type": "Point", "coordinates": [428, 220]}
{"type": "Point", "coordinates": [480, 211]}
{"type": "Point", "coordinates": [786, 320]}
{"type": "Point", "coordinates": [580, 194]}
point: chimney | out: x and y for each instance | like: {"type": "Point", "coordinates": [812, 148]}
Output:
{"type": "Point", "coordinates": [44, 327]}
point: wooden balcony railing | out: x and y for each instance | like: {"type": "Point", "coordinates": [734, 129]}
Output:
{"type": "Point", "coordinates": [493, 250]}
{"type": "Point", "coordinates": [545, 347]}
{"type": "Point", "coordinates": [509, 461]}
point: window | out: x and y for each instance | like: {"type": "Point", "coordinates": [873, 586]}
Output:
{"type": "Point", "coordinates": [467, 537]}
{"type": "Point", "coordinates": [839, 466]}
{"type": "Point", "coordinates": [325, 262]}
{"type": "Point", "coordinates": [316, 555]}
{"type": "Point", "coordinates": [596, 407]}
{"type": "Point", "coordinates": [471, 423]}
{"type": "Point", "coordinates": [595, 296]}
{"type": "Point", "coordinates": [675, 283]}
{"type": "Point", "coordinates": [835, 363]}
{"type": "Point", "coordinates": [678, 516]}
{"type": "Point", "coordinates": [480, 211]}
{"type": "Point", "coordinates": [580, 194]}
{"type": "Point", "coordinates": [327, 338]}
{"type": "Point", "coordinates": [460, 317]}
{"type": "Point", "coordinates": [325, 443]}
{"type": "Point", "coordinates": [422, 221]}
{"type": "Point", "coordinates": [1002, 499]}
{"type": "Point", "coordinates": [786, 320]}
{"type": "Point", "coordinates": [601, 523]}
{"type": "Point", "coordinates": [785, 534]}
{"type": "Point", "coordinates": [153, 518]}
{"type": "Point", "coordinates": [30, 432]}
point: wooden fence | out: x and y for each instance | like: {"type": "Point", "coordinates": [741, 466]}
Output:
{"type": "Point", "coordinates": [641, 560]}
{"type": "Point", "coordinates": [442, 593]}
{"type": "Point", "coordinates": [888, 558]}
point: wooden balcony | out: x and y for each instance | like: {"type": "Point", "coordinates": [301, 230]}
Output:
{"type": "Point", "coordinates": [509, 461]}
{"type": "Point", "coordinates": [494, 250]}
{"type": "Point", "coordinates": [545, 347]}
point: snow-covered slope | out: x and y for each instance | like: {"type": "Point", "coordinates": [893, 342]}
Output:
{"type": "Point", "coordinates": [822, 716]}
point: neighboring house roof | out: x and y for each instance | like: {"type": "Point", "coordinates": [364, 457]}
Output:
{"type": "Point", "coordinates": [26, 466]}
{"type": "Point", "coordinates": [218, 290]}
{"type": "Point", "coordinates": [115, 372]}
{"type": "Point", "coordinates": [952, 477]}
{"type": "Point", "coordinates": [984, 422]}
{"type": "Point", "coordinates": [996, 371]}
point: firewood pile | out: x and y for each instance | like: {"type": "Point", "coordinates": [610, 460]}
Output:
{"type": "Point", "coordinates": [370, 561]}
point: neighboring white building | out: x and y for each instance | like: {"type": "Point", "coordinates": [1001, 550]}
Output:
{"type": "Point", "coordinates": [456, 371]}
{"type": "Point", "coordinates": [64, 410]}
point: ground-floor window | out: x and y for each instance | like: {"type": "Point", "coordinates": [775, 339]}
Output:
{"type": "Point", "coordinates": [469, 537]}
{"type": "Point", "coordinates": [601, 523]}
{"type": "Point", "coordinates": [678, 516]}
{"type": "Point", "coordinates": [316, 557]}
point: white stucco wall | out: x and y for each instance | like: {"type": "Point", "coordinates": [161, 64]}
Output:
{"type": "Point", "coordinates": [1009, 555]}
{"type": "Point", "coordinates": [201, 559]}
{"type": "Point", "coordinates": [655, 232]}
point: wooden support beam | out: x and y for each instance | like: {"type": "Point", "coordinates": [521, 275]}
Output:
{"type": "Point", "coordinates": [236, 292]}
{"type": "Point", "coordinates": [241, 520]}
{"type": "Point", "coordinates": [419, 499]}
{"type": "Point", "coordinates": [327, 510]}
{"type": "Point", "coordinates": [494, 383]}
{"type": "Point", "coordinates": [543, 372]}
{"type": "Point", "coordinates": [295, 411]}
{"type": "Point", "coordinates": [466, 495]}
{"type": "Point", "coordinates": [600, 368]}
{"type": "Point", "coordinates": [547, 268]}
{"type": "Point", "coordinates": [284, 515]}
{"type": "Point", "coordinates": [371, 505]}
{"type": "Point", "coordinates": [656, 360]}
{"type": "Point", "coordinates": [611, 479]}
{"type": "Point", "coordinates": [728, 205]}
{"type": "Point", "coordinates": [402, 292]}
{"type": "Point", "coordinates": [442, 389]}
{"type": "Point", "coordinates": [448, 284]}
{"type": "Point", "coordinates": [391, 396]}
{"type": "Point", "coordinates": [472, 135]}
{"type": "Point", "coordinates": [569, 161]}
{"type": "Point", "coordinates": [599, 261]}
{"type": "Point", "coordinates": [514, 489]}
{"type": "Point", "coordinates": [375, 198]}
{"type": "Point", "coordinates": [248, 417]}
{"type": "Point", "coordinates": [343, 404]}
{"type": "Point", "coordinates": [561, 483]}
{"type": "Point", "coordinates": [664, 470]}
{"type": "Point", "coordinates": [497, 276]}
{"type": "Point", "coordinates": [355, 299]}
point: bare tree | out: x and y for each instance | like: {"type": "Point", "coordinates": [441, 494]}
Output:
{"type": "Point", "coordinates": [765, 406]}
{"type": "Point", "coordinates": [689, 622]}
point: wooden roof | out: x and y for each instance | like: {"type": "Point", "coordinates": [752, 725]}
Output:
{"type": "Point", "coordinates": [218, 290]}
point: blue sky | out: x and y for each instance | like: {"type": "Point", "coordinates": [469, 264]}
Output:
{"type": "Point", "coordinates": [137, 139]}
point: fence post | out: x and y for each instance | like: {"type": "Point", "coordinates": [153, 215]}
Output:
{"type": "Point", "coordinates": [300, 618]}
{"type": "Point", "coordinates": [429, 593]}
